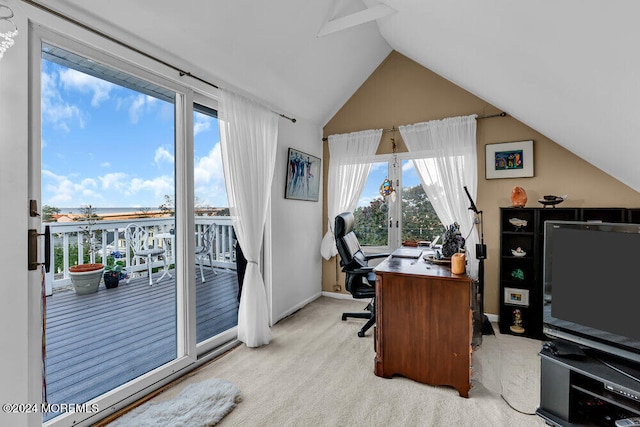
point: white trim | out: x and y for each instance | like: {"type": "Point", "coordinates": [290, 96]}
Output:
{"type": "Point", "coordinates": [299, 306]}
{"type": "Point", "coordinates": [337, 295]}
{"type": "Point", "coordinates": [369, 14]}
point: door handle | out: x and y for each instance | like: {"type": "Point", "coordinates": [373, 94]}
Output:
{"type": "Point", "coordinates": [32, 243]}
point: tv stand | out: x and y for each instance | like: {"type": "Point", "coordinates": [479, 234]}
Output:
{"type": "Point", "coordinates": [585, 390]}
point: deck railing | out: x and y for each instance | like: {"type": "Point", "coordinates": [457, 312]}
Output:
{"type": "Point", "coordinates": [109, 238]}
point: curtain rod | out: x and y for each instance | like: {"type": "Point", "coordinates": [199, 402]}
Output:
{"type": "Point", "coordinates": [393, 128]}
{"type": "Point", "coordinates": [180, 71]}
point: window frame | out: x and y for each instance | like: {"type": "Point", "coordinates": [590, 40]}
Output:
{"type": "Point", "coordinates": [394, 228]}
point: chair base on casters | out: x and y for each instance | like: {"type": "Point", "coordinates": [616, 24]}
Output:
{"type": "Point", "coordinates": [371, 316]}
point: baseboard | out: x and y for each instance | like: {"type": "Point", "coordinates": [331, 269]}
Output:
{"type": "Point", "coordinates": [337, 295]}
{"type": "Point", "coordinates": [493, 318]}
{"type": "Point", "coordinates": [297, 307]}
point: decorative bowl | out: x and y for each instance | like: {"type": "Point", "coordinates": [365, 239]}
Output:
{"type": "Point", "coordinates": [518, 223]}
{"type": "Point", "coordinates": [552, 200]}
{"type": "Point", "coordinates": [518, 252]}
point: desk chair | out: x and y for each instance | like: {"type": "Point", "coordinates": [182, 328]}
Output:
{"type": "Point", "coordinates": [360, 280]}
{"type": "Point", "coordinates": [137, 240]}
{"type": "Point", "coordinates": [203, 250]}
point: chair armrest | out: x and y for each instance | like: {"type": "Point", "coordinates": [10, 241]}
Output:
{"type": "Point", "coordinates": [362, 270]}
{"type": "Point", "coordinates": [374, 256]}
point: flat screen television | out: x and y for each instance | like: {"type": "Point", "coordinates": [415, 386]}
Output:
{"type": "Point", "coordinates": [592, 285]}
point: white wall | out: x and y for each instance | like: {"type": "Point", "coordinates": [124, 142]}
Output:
{"type": "Point", "coordinates": [296, 228]}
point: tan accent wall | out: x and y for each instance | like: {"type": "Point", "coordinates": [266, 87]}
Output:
{"type": "Point", "coordinates": [401, 92]}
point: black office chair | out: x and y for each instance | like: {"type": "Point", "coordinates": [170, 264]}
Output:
{"type": "Point", "coordinates": [360, 279]}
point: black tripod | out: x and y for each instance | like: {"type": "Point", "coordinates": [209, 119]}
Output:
{"type": "Point", "coordinates": [481, 255]}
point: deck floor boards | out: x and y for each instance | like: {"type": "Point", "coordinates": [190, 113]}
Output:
{"type": "Point", "coordinates": [100, 341]}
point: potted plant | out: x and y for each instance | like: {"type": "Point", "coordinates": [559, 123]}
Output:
{"type": "Point", "coordinates": [86, 277]}
{"type": "Point", "coordinates": [113, 271]}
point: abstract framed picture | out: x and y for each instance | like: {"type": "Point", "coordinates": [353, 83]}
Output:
{"type": "Point", "coordinates": [509, 160]}
{"type": "Point", "coordinates": [303, 176]}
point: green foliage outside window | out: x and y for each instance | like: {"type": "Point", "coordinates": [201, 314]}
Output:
{"type": "Point", "coordinates": [419, 219]}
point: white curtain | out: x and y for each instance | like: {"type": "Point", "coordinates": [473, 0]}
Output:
{"type": "Point", "coordinates": [249, 134]}
{"type": "Point", "coordinates": [448, 163]}
{"type": "Point", "coordinates": [350, 158]}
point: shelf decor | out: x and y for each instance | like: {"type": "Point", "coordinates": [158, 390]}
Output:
{"type": "Point", "coordinates": [509, 160]}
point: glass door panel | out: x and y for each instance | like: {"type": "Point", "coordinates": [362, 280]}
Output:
{"type": "Point", "coordinates": [372, 215]}
{"type": "Point", "coordinates": [108, 147]}
{"type": "Point", "coordinates": [217, 295]}
{"type": "Point", "coordinates": [419, 219]}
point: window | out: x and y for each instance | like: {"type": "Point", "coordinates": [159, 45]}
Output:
{"type": "Point", "coordinates": [406, 215]}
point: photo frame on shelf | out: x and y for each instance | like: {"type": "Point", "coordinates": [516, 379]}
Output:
{"type": "Point", "coordinates": [515, 296]}
{"type": "Point", "coordinates": [303, 176]}
{"type": "Point", "coordinates": [509, 160]}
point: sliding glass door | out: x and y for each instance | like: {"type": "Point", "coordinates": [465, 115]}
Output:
{"type": "Point", "coordinates": [216, 278]}
{"type": "Point", "coordinates": [108, 149]}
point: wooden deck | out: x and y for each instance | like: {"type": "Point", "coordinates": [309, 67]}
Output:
{"type": "Point", "coordinates": [99, 341]}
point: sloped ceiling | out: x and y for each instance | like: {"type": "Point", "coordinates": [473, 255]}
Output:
{"type": "Point", "coordinates": [268, 49]}
{"type": "Point", "coordinates": [569, 69]}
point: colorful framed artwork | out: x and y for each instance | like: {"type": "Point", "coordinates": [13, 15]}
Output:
{"type": "Point", "coordinates": [509, 160]}
{"type": "Point", "coordinates": [303, 176]}
{"type": "Point", "coordinates": [514, 296]}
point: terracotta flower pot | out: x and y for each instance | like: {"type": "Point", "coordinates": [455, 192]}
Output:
{"type": "Point", "coordinates": [86, 277]}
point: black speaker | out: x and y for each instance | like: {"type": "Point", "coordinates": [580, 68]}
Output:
{"type": "Point", "coordinates": [481, 251]}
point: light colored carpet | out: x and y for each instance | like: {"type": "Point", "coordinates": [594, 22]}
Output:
{"type": "Point", "coordinates": [200, 404]}
{"type": "Point", "coordinates": [317, 372]}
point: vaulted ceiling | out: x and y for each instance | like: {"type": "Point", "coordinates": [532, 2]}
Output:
{"type": "Point", "coordinates": [569, 69]}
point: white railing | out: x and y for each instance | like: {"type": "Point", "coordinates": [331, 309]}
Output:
{"type": "Point", "coordinates": [109, 238]}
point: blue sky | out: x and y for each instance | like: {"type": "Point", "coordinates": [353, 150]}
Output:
{"type": "Point", "coordinates": [109, 146]}
{"type": "Point", "coordinates": [379, 172]}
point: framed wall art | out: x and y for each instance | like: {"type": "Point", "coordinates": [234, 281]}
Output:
{"type": "Point", "coordinates": [515, 296]}
{"type": "Point", "coordinates": [303, 176]}
{"type": "Point", "coordinates": [509, 160]}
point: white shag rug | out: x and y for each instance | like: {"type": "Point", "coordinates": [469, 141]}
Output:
{"type": "Point", "coordinates": [201, 404]}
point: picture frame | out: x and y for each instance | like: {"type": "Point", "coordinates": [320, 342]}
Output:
{"type": "Point", "coordinates": [515, 296]}
{"type": "Point", "coordinates": [303, 177]}
{"type": "Point", "coordinates": [509, 160]}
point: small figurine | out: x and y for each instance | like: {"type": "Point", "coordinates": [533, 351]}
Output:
{"type": "Point", "coordinates": [516, 327]}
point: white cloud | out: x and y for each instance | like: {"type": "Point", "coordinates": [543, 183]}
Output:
{"type": "Point", "coordinates": [72, 79]}
{"type": "Point", "coordinates": [408, 167]}
{"type": "Point", "coordinates": [65, 192]}
{"type": "Point", "coordinates": [139, 104]}
{"type": "Point", "coordinates": [159, 186]}
{"type": "Point", "coordinates": [209, 178]}
{"type": "Point", "coordinates": [54, 109]}
{"type": "Point", "coordinates": [113, 181]}
{"type": "Point", "coordinates": [163, 155]}
{"type": "Point", "coordinates": [105, 165]}
{"type": "Point", "coordinates": [201, 123]}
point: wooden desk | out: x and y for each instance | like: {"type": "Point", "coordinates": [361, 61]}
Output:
{"type": "Point", "coordinates": [423, 323]}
